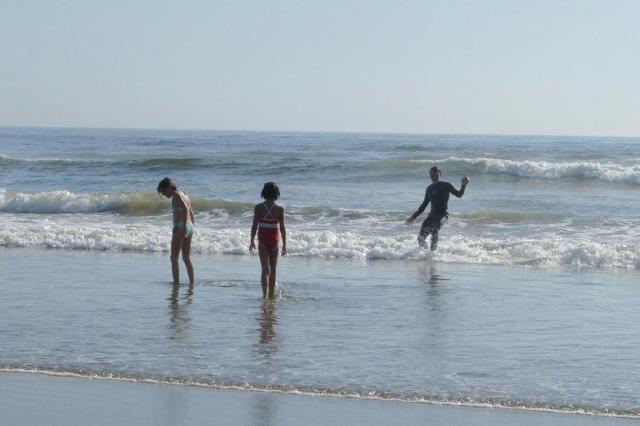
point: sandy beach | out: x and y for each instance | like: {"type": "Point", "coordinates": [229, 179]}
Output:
{"type": "Point", "coordinates": [28, 399]}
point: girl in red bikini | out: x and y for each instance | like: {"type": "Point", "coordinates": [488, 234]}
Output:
{"type": "Point", "coordinates": [268, 222]}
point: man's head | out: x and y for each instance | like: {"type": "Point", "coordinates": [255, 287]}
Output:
{"type": "Point", "coordinates": [435, 174]}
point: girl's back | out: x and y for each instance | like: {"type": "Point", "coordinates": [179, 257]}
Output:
{"type": "Point", "coordinates": [268, 212]}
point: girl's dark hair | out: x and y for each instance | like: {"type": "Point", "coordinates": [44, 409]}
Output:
{"type": "Point", "coordinates": [270, 190]}
{"type": "Point", "coordinates": [166, 183]}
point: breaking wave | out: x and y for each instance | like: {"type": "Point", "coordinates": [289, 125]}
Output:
{"type": "Point", "coordinates": [130, 204]}
{"type": "Point", "coordinates": [587, 170]}
{"type": "Point", "coordinates": [152, 204]}
{"type": "Point", "coordinates": [545, 251]}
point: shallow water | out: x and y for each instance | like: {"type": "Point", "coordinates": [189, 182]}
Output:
{"type": "Point", "coordinates": [386, 329]}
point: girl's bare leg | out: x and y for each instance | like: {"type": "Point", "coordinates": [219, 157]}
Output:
{"type": "Point", "coordinates": [273, 264]}
{"type": "Point", "coordinates": [176, 246]}
{"type": "Point", "coordinates": [263, 253]}
{"type": "Point", "coordinates": [186, 257]}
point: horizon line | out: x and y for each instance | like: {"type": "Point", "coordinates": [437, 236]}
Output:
{"type": "Point", "coordinates": [355, 132]}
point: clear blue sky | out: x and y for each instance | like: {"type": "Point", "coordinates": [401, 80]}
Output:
{"type": "Point", "coordinates": [515, 67]}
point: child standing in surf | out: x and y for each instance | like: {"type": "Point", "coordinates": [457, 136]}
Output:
{"type": "Point", "coordinates": [268, 222]}
{"type": "Point", "coordinates": [183, 220]}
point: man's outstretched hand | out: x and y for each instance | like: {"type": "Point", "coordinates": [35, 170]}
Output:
{"type": "Point", "coordinates": [465, 181]}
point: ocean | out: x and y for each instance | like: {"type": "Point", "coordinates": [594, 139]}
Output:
{"type": "Point", "coordinates": [529, 302]}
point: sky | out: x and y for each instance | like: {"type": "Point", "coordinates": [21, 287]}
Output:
{"type": "Point", "coordinates": [561, 67]}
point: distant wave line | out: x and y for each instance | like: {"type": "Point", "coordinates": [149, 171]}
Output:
{"type": "Point", "coordinates": [151, 204]}
{"type": "Point", "coordinates": [403, 167]}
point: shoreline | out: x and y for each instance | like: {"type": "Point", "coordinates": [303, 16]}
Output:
{"type": "Point", "coordinates": [314, 393]}
{"type": "Point", "coordinates": [34, 398]}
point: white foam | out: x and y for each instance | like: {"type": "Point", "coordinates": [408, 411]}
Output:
{"type": "Point", "coordinates": [572, 250]}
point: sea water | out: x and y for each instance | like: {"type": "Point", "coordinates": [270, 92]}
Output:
{"type": "Point", "coordinates": [530, 300]}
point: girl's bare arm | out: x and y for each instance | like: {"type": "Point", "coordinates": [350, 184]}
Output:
{"type": "Point", "coordinates": [283, 232]}
{"type": "Point", "coordinates": [254, 229]}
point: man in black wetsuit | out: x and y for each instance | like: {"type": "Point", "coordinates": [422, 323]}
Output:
{"type": "Point", "coordinates": [438, 194]}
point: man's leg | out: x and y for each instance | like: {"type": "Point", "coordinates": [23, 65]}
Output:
{"type": "Point", "coordinates": [435, 229]}
{"type": "Point", "coordinates": [434, 239]}
{"type": "Point", "coordinates": [425, 230]}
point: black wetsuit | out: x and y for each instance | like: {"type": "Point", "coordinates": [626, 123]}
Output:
{"type": "Point", "coordinates": [438, 194]}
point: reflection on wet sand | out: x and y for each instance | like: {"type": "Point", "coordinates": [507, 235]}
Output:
{"type": "Point", "coordinates": [264, 409]}
{"type": "Point", "coordinates": [436, 291]}
{"type": "Point", "coordinates": [432, 277]}
{"type": "Point", "coordinates": [173, 407]}
{"type": "Point", "coordinates": [268, 321]}
{"type": "Point", "coordinates": [435, 311]}
{"type": "Point", "coordinates": [264, 406]}
{"type": "Point", "coordinates": [180, 316]}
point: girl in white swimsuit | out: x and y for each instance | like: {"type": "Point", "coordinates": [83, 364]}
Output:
{"type": "Point", "coordinates": [183, 220]}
